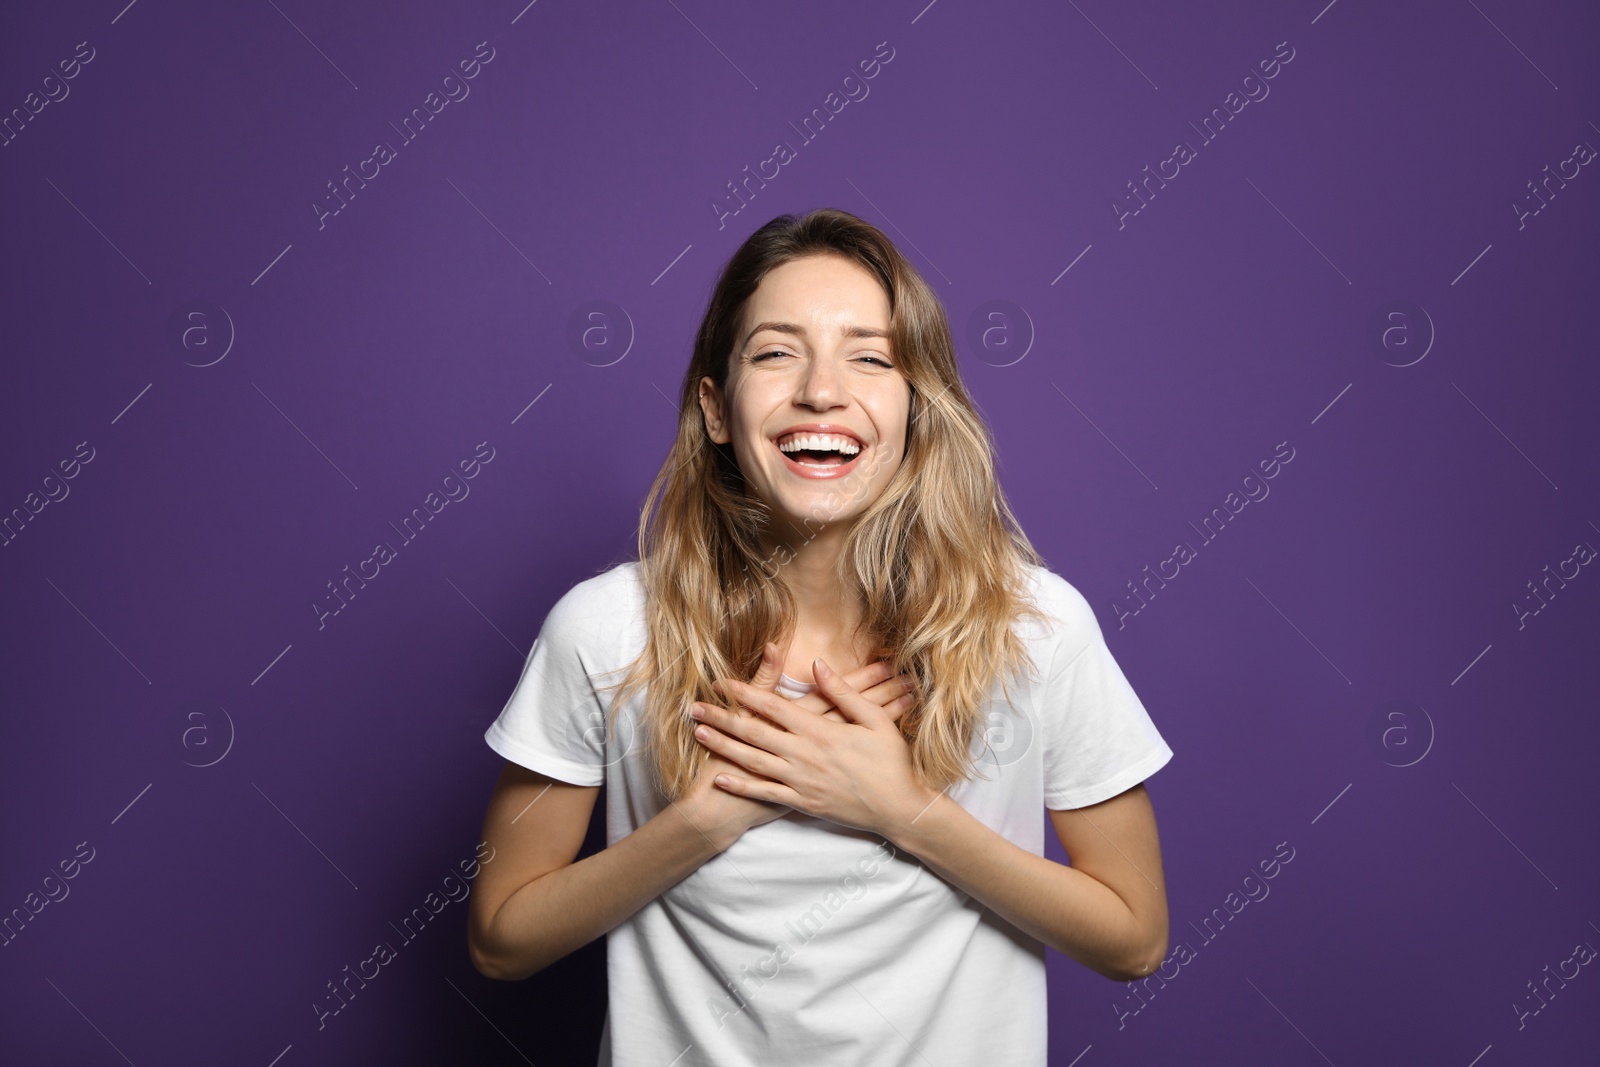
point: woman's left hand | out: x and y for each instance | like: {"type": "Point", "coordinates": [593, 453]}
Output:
{"type": "Point", "coordinates": [857, 773]}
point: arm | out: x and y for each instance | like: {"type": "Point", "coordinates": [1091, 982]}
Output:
{"type": "Point", "coordinates": [1108, 911]}
{"type": "Point", "coordinates": [533, 905]}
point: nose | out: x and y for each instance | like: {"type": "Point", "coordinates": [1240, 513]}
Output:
{"type": "Point", "coordinates": [821, 387]}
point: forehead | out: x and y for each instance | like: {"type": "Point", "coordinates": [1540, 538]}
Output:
{"type": "Point", "coordinates": [818, 293]}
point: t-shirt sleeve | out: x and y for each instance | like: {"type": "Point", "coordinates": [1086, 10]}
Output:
{"type": "Point", "coordinates": [1098, 738]}
{"type": "Point", "coordinates": [555, 722]}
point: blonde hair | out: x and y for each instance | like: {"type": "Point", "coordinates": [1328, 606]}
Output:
{"type": "Point", "coordinates": [938, 560]}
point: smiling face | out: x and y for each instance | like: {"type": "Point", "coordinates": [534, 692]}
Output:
{"type": "Point", "coordinates": [816, 404]}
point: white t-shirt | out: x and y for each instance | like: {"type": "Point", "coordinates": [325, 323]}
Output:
{"type": "Point", "coordinates": [807, 942]}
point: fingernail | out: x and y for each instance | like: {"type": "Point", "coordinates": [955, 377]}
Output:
{"type": "Point", "coordinates": [819, 668]}
{"type": "Point", "coordinates": [696, 713]}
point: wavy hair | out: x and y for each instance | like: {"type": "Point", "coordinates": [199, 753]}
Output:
{"type": "Point", "coordinates": [938, 559]}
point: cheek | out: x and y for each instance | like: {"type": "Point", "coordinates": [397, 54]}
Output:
{"type": "Point", "coordinates": [886, 472]}
{"type": "Point", "coordinates": [756, 457]}
{"type": "Point", "coordinates": [892, 414]}
{"type": "Point", "coordinates": [896, 430]}
{"type": "Point", "coordinates": [755, 448]}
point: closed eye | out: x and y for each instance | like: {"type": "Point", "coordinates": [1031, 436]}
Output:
{"type": "Point", "coordinates": [879, 360]}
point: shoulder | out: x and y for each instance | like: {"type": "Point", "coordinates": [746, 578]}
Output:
{"type": "Point", "coordinates": [597, 606]}
{"type": "Point", "coordinates": [1072, 625]}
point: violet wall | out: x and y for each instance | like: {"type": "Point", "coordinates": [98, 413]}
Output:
{"type": "Point", "coordinates": [224, 384]}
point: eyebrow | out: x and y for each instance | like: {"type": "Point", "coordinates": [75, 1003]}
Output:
{"type": "Point", "coordinates": [800, 331]}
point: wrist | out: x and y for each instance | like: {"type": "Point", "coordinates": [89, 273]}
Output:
{"type": "Point", "coordinates": [709, 826]}
{"type": "Point", "coordinates": [912, 823]}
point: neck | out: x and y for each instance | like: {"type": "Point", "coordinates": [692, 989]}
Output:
{"type": "Point", "coordinates": [824, 608]}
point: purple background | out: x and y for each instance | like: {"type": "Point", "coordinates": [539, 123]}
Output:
{"type": "Point", "coordinates": [160, 615]}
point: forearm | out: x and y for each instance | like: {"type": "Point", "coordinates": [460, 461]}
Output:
{"type": "Point", "coordinates": [1069, 911]}
{"type": "Point", "coordinates": [567, 908]}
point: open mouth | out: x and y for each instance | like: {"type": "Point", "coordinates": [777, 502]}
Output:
{"type": "Point", "coordinates": [820, 455]}
{"type": "Point", "coordinates": [813, 457]}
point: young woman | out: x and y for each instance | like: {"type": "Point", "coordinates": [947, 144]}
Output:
{"type": "Point", "coordinates": [842, 861]}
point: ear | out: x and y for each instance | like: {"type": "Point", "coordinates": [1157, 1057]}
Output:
{"type": "Point", "coordinates": [711, 407]}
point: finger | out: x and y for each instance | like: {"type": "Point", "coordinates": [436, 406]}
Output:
{"type": "Point", "coordinates": [897, 706]}
{"type": "Point", "coordinates": [715, 764]}
{"type": "Point", "coordinates": [886, 691]}
{"type": "Point", "coordinates": [767, 674]}
{"type": "Point", "coordinates": [863, 678]}
{"type": "Point", "coordinates": [745, 726]}
{"type": "Point", "coordinates": [771, 792]}
{"type": "Point", "coordinates": [757, 760]}
{"type": "Point", "coordinates": [851, 704]}
{"type": "Point", "coordinates": [871, 674]}
{"type": "Point", "coordinates": [810, 703]}
{"type": "Point", "coordinates": [776, 709]}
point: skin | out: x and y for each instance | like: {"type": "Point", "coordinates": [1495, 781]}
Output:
{"type": "Point", "coordinates": [835, 753]}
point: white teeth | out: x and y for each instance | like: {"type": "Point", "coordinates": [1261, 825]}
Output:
{"type": "Point", "coordinates": [819, 442]}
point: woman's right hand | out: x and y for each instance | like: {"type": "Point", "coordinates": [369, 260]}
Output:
{"type": "Point", "coordinates": [717, 811]}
